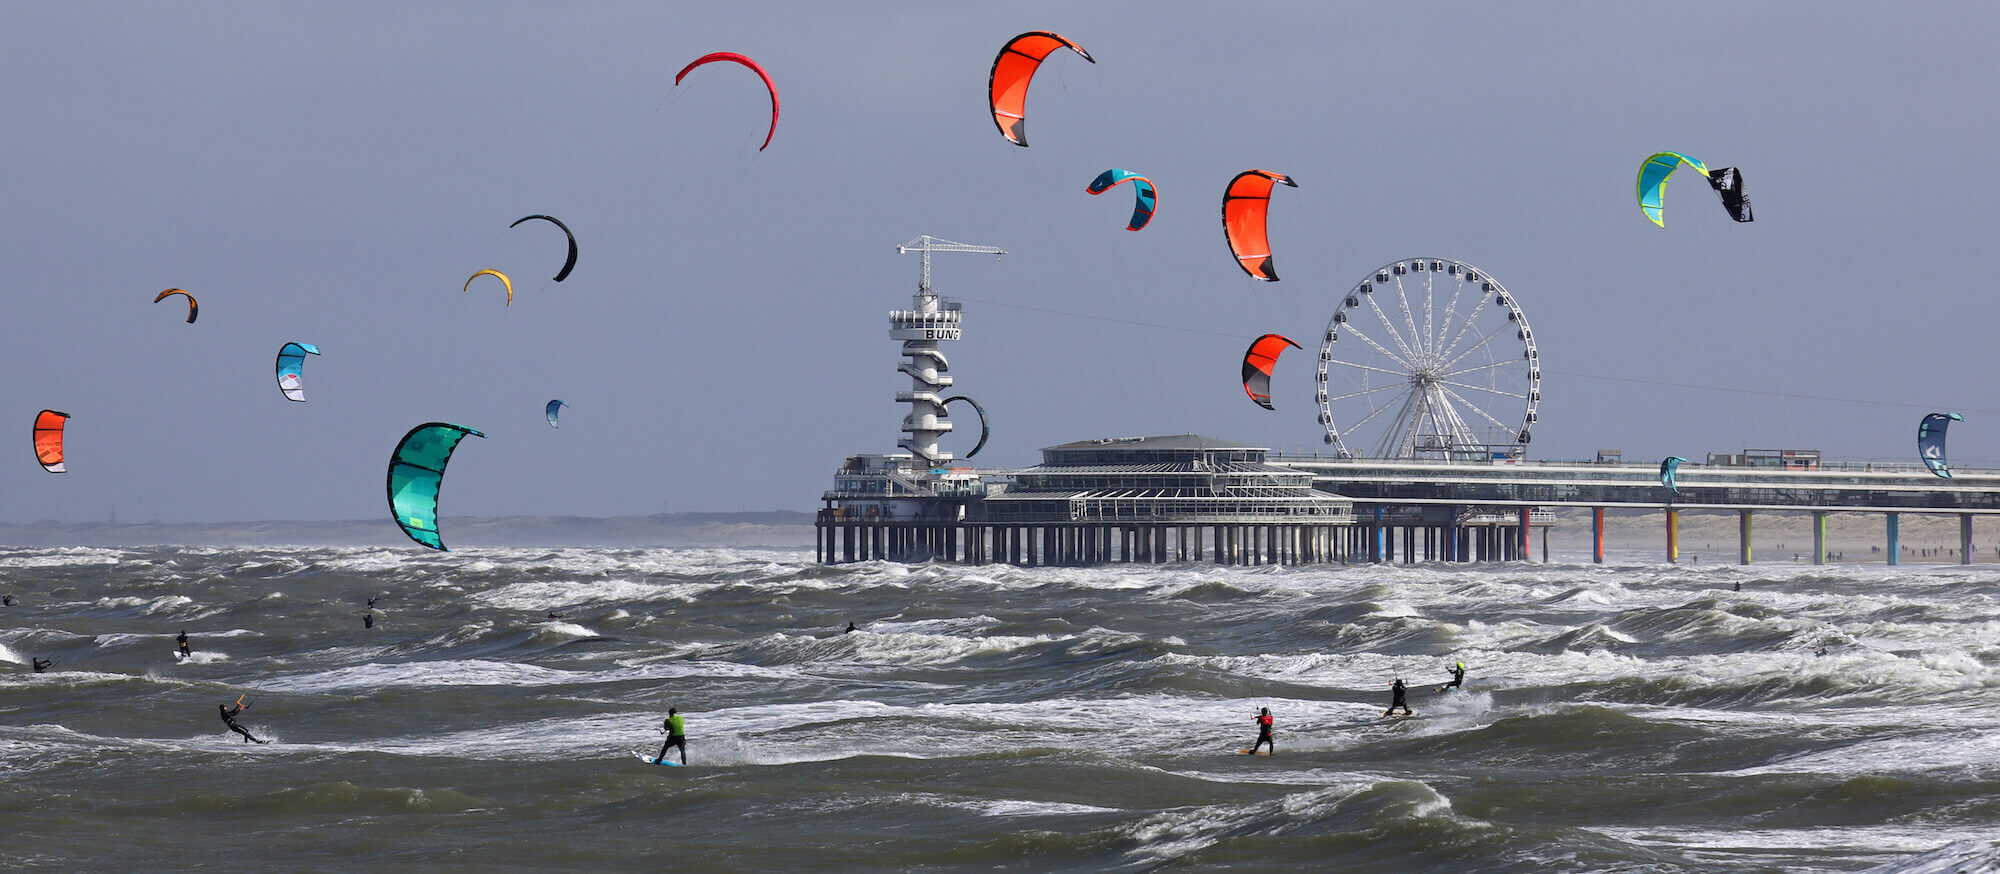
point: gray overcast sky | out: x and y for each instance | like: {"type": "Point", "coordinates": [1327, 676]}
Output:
{"type": "Point", "coordinates": [332, 174]}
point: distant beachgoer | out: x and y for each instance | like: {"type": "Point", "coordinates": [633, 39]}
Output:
{"type": "Point", "coordinates": [1457, 677]}
{"type": "Point", "coordinates": [367, 620]}
{"type": "Point", "coordinates": [676, 729]}
{"type": "Point", "coordinates": [42, 664]}
{"type": "Point", "coordinates": [850, 629]}
{"type": "Point", "coordinates": [229, 719]}
{"type": "Point", "coordinates": [1264, 733]}
{"type": "Point", "coordinates": [182, 639]}
{"type": "Point", "coordinates": [1397, 691]}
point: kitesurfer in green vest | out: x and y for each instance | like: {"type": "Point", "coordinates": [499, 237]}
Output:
{"type": "Point", "coordinates": [676, 737]}
{"type": "Point", "coordinates": [1457, 677]}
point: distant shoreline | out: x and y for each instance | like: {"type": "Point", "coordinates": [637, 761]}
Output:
{"type": "Point", "coordinates": [773, 528]}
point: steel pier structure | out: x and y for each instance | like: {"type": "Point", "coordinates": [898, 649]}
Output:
{"type": "Point", "coordinates": [1407, 487]}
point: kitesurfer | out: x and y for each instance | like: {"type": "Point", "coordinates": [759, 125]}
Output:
{"type": "Point", "coordinates": [1457, 677]}
{"type": "Point", "coordinates": [229, 719]}
{"type": "Point", "coordinates": [182, 639]}
{"type": "Point", "coordinates": [1264, 732]}
{"type": "Point", "coordinates": [371, 601]}
{"type": "Point", "coordinates": [42, 664]}
{"type": "Point", "coordinates": [850, 629]}
{"type": "Point", "coordinates": [8, 600]}
{"type": "Point", "coordinates": [676, 737]}
{"type": "Point", "coordinates": [1397, 691]}
{"type": "Point", "coordinates": [367, 620]}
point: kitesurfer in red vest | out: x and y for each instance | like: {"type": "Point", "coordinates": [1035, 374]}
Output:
{"type": "Point", "coordinates": [1264, 733]}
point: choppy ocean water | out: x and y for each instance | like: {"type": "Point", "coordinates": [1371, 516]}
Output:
{"type": "Point", "coordinates": [1626, 717]}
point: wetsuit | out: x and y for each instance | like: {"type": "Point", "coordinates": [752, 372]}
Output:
{"type": "Point", "coordinates": [1264, 734]}
{"type": "Point", "coordinates": [229, 719]}
{"type": "Point", "coordinates": [1397, 692]}
{"type": "Point", "coordinates": [1457, 677]}
{"type": "Point", "coordinates": [182, 639]}
{"type": "Point", "coordinates": [43, 664]}
{"type": "Point", "coordinates": [367, 620]}
{"type": "Point", "coordinates": [676, 737]}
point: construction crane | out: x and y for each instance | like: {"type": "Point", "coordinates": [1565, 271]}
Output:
{"type": "Point", "coordinates": [928, 244]}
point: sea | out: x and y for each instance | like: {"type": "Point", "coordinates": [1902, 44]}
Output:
{"type": "Point", "coordinates": [502, 711]}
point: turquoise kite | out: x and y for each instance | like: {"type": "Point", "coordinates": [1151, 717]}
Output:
{"type": "Point", "coordinates": [1144, 194]}
{"type": "Point", "coordinates": [415, 472]}
{"type": "Point", "coordinates": [291, 359]}
{"type": "Point", "coordinates": [1653, 181]}
{"type": "Point", "coordinates": [1668, 466]}
{"type": "Point", "coordinates": [550, 412]}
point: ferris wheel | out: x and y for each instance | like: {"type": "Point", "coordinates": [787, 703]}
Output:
{"type": "Point", "coordinates": [1429, 358]}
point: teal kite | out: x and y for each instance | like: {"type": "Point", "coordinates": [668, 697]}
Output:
{"type": "Point", "coordinates": [1145, 196]}
{"type": "Point", "coordinates": [416, 470]}
{"type": "Point", "coordinates": [291, 363]}
{"type": "Point", "coordinates": [1653, 182]}
{"type": "Point", "coordinates": [1668, 466]}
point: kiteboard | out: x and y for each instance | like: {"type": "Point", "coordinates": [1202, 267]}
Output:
{"type": "Point", "coordinates": [1249, 753]}
{"type": "Point", "coordinates": [181, 658]}
{"type": "Point", "coordinates": [651, 761]}
{"type": "Point", "coordinates": [1399, 715]}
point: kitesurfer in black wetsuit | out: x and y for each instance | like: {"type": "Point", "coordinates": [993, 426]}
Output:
{"type": "Point", "coordinates": [676, 736]}
{"type": "Point", "coordinates": [850, 629]}
{"type": "Point", "coordinates": [6, 600]}
{"type": "Point", "coordinates": [42, 664]}
{"type": "Point", "coordinates": [229, 719]}
{"type": "Point", "coordinates": [367, 620]}
{"type": "Point", "coordinates": [1264, 733]}
{"type": "Point", "coordinates": [1396, 692]}
{"type": "Point", "coordinates": [182, 639]}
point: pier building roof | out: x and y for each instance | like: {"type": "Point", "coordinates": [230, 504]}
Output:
{"type": "Point", "coordinates": [1184, 478]}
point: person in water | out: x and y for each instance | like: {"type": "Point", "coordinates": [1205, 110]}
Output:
{"type": "Point", "coordinates": [42, 664]}
{"type": "Point", "coordinates": [850, 629]}
{"type": "Point", "coordinates": [182, 639]}
{"type": "Point", "coordinates": [6, 600]}
{"type": "Point", "coordinates": [1264, 733]}
{"type": "Point", "coordinates": [371, 601]}
{"type": "Point", "coordinates": [676, 737]}
{"type": "Point", "coordinates": [367, 620]}
{"type": "Point", "coordinates": [1397, 692]}
{"type": "Point", "coordinates": [1457, 677]}
{"type": "Point", "coordinates": [229, 719]}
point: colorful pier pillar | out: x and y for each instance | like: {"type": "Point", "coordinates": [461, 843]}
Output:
{"type": "Point", "coordinates": [1895, 546]}
{"type": "Point", "coordinates": [1597, 535]}
{"type": "Point", "coordinates": [1673, 536]}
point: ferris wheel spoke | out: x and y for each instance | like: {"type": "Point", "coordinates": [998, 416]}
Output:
{"type": "Point", "coordinates": [1381, 409]}
{"type": "Point", "coordinates": [1358, 366]}
{"type": "Point", "coordinates": [1477, 409]}
{"type": "Point", "coordinates": [1430, 306]}
{"type": "Point", "coordinates": [1476, 367]}
{"type": "Point", "coordinates": [1378, 347]}
{"type": "Point", "coordinates": [1409, 319]}
{"type": "Point", "coordinates": [1390, 326]}
{"type": "Point", "coordinates": [1368, 391]}
{"type": "Point", "coordinates": [1451, 309]}
{"type": "Point", "coordinates": [1495, 391]}
{"type": "Point", "coordinates": [1471, 319]}
{"type": "Point", "coordinates": [1481, 344]}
